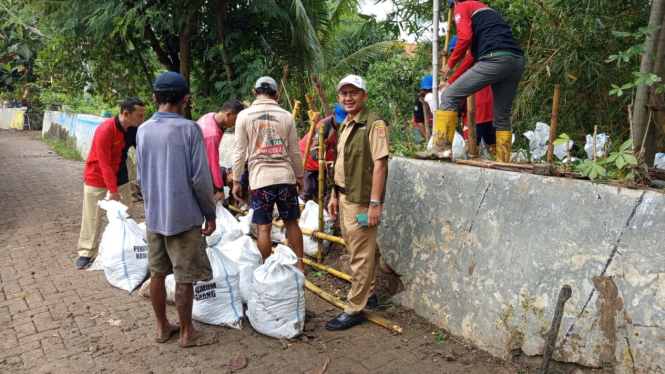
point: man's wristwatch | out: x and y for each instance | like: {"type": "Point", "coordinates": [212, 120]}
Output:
{"type": "Point", "coordinates": [374, 203]}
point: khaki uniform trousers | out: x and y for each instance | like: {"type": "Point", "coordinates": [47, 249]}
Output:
{"type": "Point", "coordinates": [91, 221]}
{"type": "Point", "coordinates": [361, 243]}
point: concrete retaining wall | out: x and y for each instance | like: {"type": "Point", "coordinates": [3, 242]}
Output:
{"type": "Point", "coordinates": [484, 253]}
{"type": "Point", "coordinates": [6, 115]}
{"type": "Point", "coordinates": [79, 128]}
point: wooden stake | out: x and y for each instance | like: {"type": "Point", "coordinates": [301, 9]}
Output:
{"type": "Point", "coordinates": [322, 95]}
{"type": "Point", "coordinates": [282, 86]}
{"type": "Point", "coordinates": [553, 123]}
{"type": "Point", "coordinates": [595, 132]}
{"type": "Point", "coordinates": [428, 125]}
{"type": "Point", "coordinates": [310, 103]}
{"type": "Point", "coordinates": [565, 294]}
{"type": "Point", "coordinates": [313, 118]}
{"type": "Point", "coordinates": [471, 121]}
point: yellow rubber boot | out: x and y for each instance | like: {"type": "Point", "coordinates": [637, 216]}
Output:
{"type": "Point", "coordinates": [504, 140]}
{"type": "Point", "coordinates": [444, 133]}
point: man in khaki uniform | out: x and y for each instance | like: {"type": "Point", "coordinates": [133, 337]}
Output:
{"type": "Point", "coordinates": [360, 174]}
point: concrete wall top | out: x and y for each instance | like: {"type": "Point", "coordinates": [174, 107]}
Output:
{"type": "Point", "coordinates": [79, 127]}
{"type": "Point", "coordinates": [483, 253]}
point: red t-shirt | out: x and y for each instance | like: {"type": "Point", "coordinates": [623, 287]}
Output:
{"type": "Point", "coordinates": [312, 165]}
{"type": "Point", "coordinates": [105, 156]}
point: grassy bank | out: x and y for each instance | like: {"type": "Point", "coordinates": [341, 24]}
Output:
{"type": "Point", "coordinates": [66, 150]}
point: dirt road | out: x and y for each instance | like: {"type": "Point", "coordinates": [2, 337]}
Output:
{"type": "Point", "coordinates": [56, 319]}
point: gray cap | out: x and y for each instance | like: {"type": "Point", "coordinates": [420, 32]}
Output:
{"type": "Point", "coordinates": [271, 82]}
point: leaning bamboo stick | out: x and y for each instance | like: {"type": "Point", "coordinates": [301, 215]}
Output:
{"type": "Point", "coordinates": [313, 119]}
{"type": "Point", "coordinates": [327, 269]}
{"type": "Point", "coordinates": [342, 305]}
{"type": "Point", "coordinates": [322, 95]}
{"type": "Point", "coordinates": [296, 109]}
{"type": "Point", "coordinates": [553, 123]}
{"type": "Point", "coordinates": [322, 162]}
{"type": "Point", "coordinates": [471, 122]}
{"type": "Point", "coordinates": [310, 103]}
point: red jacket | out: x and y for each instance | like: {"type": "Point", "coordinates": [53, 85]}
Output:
{"type": "Point", "coordinates": [484, 97]}
{"type": "Point", "coordinates": [312, 165]}
{"type": "Point", "coordinates": [103, 162]}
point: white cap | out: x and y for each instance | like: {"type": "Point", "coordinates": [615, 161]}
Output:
{"type": "Point", "coordinates": [353, 80]}
{"type": "Point", "coordinates": [271, 83]}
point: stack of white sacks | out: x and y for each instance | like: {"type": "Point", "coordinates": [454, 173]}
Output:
{"type": "Point", "coordinates": [274, 292]}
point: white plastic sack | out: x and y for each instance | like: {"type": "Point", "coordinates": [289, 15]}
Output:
{"type": "Point", "coordinates": [169, 283]}
{"type": "Point", "coordinates": [277, 305]}
{"type": "Point", "coordinates": [560, 150]}
{"type": "Point", "coordinates": [125, 254]}
{"type": "Point", "coordinates": [459, 145]}
{"type": "Point", "coordinates": [601, 140]}
{"type": "Point", "coordinates": [246, 255]}
{"type": "Point", "coordinates": [538, 140]}
{"type": "Point", "coordinates": [245, 222]}
{"type": "Point", "coordinates": [218, 302]}
{"type": "Point", "coordinates": [227, 228]}
{"type": "Point", "coordinates": [660, 161]}
{"type": "Point", "coordinates": [309, 219]}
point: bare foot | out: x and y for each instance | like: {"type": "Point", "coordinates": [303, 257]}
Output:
{"type": "Point", "coordinates": [165, 334]}
{"type": "Point", "coordinates": [198, 338]}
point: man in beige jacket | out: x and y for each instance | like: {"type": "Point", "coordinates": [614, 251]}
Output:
{"type": "Point", "coordinates": [266, 135]}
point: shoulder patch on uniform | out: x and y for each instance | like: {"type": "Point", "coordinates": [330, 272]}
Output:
{"type": "Point", "coordinates": [381, 130]}
{"type": "Point", "coordinates": [457, 17]}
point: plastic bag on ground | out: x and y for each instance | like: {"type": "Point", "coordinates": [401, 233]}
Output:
{"type": "Point", "coordinates": [309, 219]}
{"type": "Point", "coordinates": [660, 161]}
{"type": "Point", "coordinates": [218, 302]}
{"type": "Point", "coordinates": [538, 140]}
{"type": "Point", "coordinates": [169, 283]}
{"type": "Point", "coordinates": [601, 140]}
{"type": "Point", "coordinates": [276, 307]}
{"type": "Point", "coordinates": [246, 255]}
{"type": "Point", "coordinates": [459, 145]}
{"type": "Point", "coordinates": [125, 252]}
{"type": "Point", "coordinates": [227, 228]}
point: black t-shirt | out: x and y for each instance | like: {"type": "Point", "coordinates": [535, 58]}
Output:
{"type": "Point", "coordinates": [130, 141]}
{"type": "Point", "coordinates": [418, 112]}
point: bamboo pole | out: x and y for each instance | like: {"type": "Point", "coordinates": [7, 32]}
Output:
{"type": "Point", "coordinates": [310, 103]}
{"type": "Point", "coordinates": [322, 95]}
{"type": "Point", "coordinates": [327, 269]}
{"type": "Point", "coordinates": [296, 108]}
{"type": "Point", "coordinates": [435, 58]}
{"type": "Point", "coordinates": [446, 52]}
{"type": "Point", "coordinates": [488, 164]}
{"type": "Point", "coordinates": [322, 162]}
{"type": "Point", "coordinates": [553, 123]}
{"type": "Point", "coordinates": [595, 133]}
{"type": "Point", "coordinates": [471, 121]}
{"type": "Point", "coordinates": [342, 305]}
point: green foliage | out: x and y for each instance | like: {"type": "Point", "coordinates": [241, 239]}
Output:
{"type": "Point", "coordinates": [441, 337]}
{"type": "Point", "coordinates": [592, 169]}
{"type": "Point", "coordinates": [562, 139]}
{"type": "Point", "coordinates": [386, 304]}
{"type": "Point", "coordinates": [417, 326]}
{"type": "Point", "coordinates": [317, 273]}
{"type": "Point", "coordinates": [66, 150]}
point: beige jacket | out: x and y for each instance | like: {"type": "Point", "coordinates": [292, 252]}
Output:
{"type": "Point", "coordinates": [266, 134]}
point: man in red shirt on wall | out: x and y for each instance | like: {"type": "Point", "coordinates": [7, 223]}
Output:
{"type": "Point", "coordinates": [311, 180]}
{"type": "Point", "coordinates": [213, 125]}
{"type": "Point", "coordinates": [500, 65]}
{"type": "Point", "coordinates": [484, 105]}
{"type": "Point", "coordinates": [106, 172]}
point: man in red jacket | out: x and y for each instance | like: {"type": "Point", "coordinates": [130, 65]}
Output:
{"type": "Point", "coordinates": [486, 34]}
{"type": "Point", "coordinates": [106, 172]}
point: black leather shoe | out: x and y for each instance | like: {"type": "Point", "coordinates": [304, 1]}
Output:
{"type": "Point", "coordinates": [372, 301]}
{"type": "Point", "coordinates": [345, 321]}
{"type": "Point", "coordinates": [83, 262]}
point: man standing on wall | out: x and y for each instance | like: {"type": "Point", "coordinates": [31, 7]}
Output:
{"type": "Point", "coordinates": [360, 174]}
{"type": "Point", "coordinates": [267, 135]}
{"type": "Point", "coordinates": [213, 126]}
{"type": "Point", "coordinates": [330, 126]}
{"type": "Point", "coordinates": [500, 65]}
{"type": "Point", "coordinates": [174, 177]}
{"type": "Point", "coordinates": [106, 172]}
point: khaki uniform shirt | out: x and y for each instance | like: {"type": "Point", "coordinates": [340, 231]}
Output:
{"type": "Point", "coordinates": [378, 142]}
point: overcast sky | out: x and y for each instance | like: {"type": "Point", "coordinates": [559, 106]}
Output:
{"type": "Point", "coordinates": [380, 10]}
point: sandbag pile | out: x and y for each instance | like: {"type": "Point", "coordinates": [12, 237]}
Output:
{"type": "Point", "coordinates": [276, 306]}
{"type": "Point", "coordinates": [123, 249]}
{"type": "Point", "coordinates": [309, 219]}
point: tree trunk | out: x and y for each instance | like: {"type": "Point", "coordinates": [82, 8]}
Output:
{"type": "Point", "coordinates": [221, 15]}
{"type": "Point", "coordinates": [186, 31]}
{"type": "Point", "coordinates": [658, 100]}
{"type": "Point", "coordinates": [154, 43]}
{"type": "Point", "coordinates": [643, 129]}
{"type": "Point", "coordinates": [148, 75]}
{"type": "Point", "coordinates": [207, 73]}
